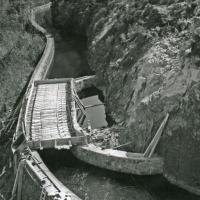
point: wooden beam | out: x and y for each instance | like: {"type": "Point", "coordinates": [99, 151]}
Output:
{"type": "Point", "coordinates": [84, 78]}
{"type": "Point", "coordinates": [151, 148]}
{"type": "Point", "coordinates": [50, 143]}
{"type": "Point", "coordinates": [95, 105]}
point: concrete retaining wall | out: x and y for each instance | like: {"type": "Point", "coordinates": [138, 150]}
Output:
{"type": "Point", "coordinates": [181, 184]}
{"type": "Point", "coordinates": [120, 161]}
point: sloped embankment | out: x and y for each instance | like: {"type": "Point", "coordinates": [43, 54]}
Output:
{"type": "Point", "coordinates": [20, 49]}
{"type": "Point", "coordinates": [146, 58]}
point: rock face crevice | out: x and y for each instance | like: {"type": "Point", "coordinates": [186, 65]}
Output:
{"type": "Point", "coordinates": [146, 58]}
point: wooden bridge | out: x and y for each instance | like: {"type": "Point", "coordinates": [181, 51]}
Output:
{"type": "Point", "coordinates": [54, 116]}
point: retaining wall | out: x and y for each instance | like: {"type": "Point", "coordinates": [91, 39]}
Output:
{"type": "Point", "coordinates": [119, 161]}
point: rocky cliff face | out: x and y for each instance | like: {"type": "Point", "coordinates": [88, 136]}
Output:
{"type": "Point", "coordinates": [146, 58]}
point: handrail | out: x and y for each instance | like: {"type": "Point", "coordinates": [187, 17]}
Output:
{"type": "Point", "coordinates": [80, 106]}
{"type": "Point", "coordinates": [79, 79]}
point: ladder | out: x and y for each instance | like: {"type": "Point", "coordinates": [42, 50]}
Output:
{"type": "Point", "coordinates": [43, 194]}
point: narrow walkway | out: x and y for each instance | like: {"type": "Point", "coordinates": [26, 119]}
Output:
{"type": "Point", "coordinates": [52, 115]}
{"type": "Point", "coordinates": [49, 119]}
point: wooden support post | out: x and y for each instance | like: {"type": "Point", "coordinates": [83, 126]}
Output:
{"type": "Point", "coordinates": [150, 149]}
{"type": "Point", "coordinates": [17, 188]}
{"type": "Point", "coordinates": [78, 113]}
{"type": "Point", "coordinates": [15, 159]}
{"type": "Point", "coordinates": [79, 117]}
{"type": "Point", "coordinates": [78, 101]}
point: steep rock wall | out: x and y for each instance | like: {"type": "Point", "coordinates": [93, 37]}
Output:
{"type": "Point", "coordinates": [146, 58]}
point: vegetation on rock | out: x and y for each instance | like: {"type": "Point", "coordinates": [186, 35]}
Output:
{"type": "Point", "coordinates": [20, 49]}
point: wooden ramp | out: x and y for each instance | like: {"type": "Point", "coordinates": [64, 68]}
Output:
{"type": "Point", "coordinates": [51, 116]}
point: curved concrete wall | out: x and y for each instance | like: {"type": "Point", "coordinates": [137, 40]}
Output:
{"type": "Point", "coordinates": [115, 160]}
{"type": "Point", "coordinates": [119, 161]}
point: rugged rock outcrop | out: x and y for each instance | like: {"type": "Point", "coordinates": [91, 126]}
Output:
{"type": "Point", "coordinates": [146, 58]}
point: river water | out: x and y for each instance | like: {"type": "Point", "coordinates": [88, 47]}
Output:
{"type": "Point", "coordinates": [88, 182]}
{"type": "Point", "coordinates": [70, 59]}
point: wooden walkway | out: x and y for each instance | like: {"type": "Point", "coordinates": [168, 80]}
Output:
{"type": "Point", "coordinates": [52, 116]}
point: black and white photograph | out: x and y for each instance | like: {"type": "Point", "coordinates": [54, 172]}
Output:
{"type": "Point", "coordinates": [99, 99]}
